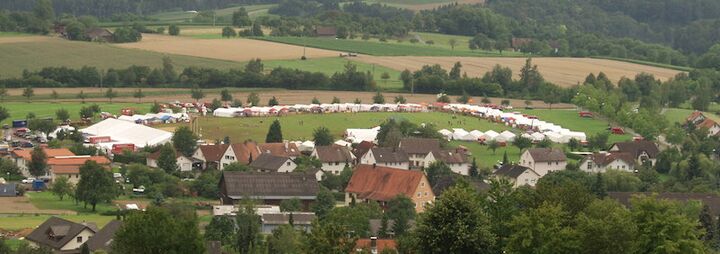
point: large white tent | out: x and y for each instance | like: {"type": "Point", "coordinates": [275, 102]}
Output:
{"type": "Point", "coordinates": [459, 133]}
{"type": "Point", "coordinates": [490, 135]}
{"type": "Point", "coordinates": [446, 133]}
{"type": "Point", "coordinates": [126, 132]}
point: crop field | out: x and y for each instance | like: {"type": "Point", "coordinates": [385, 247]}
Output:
{"type": "Point", "coordinates": [233, 49]}
{"type": "Point", "coordinates": [563, 71]}
{"type": "Point", "coordinates": [53, 52]}
{"type": "Point", "coordinates": [377, 48]}
{"type": "Point", "coordinates": [183, 16]}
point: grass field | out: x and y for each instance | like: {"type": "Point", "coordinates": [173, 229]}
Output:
{"type": "Point", "coordinates": [331, 65]}
{"type": "Point", "coordinates": [678, 115]}
{"type": "Point", "coordinates": [183, 16]}
{"type": "Point", "coordinates": [380, 48]}
{"type": "Point", "coordinates": [570, 119]}
{"type": "Point", "coordinates": [18, 110]}
{"type": "Point", "coordinates": [32, 221]}
{"type": "Point", "coordinates": [53, 52]}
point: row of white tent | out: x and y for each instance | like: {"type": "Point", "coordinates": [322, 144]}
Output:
{"type": "Point", "coordinates": [159, 117]}
{"type": "Point", "coordinates": [476, 135]}
{"type": "Point", "coordinates": [338, 107]}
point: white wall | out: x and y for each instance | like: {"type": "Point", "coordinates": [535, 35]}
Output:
{"type": "Point", "coordinates": [288, 166]}
{"type": "Point", "coordinates": [369, 159]}
{"type": "Point", "coordinates": [227, 158]}
{"type": "Point", "coordinates": [74, 244]}
{"type": "Point", "coordinates": [542, 168]}
{"type": "Point", "coordinates": [616, 165]}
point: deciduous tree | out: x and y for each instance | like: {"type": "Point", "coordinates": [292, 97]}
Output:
{"type": "Point", "coordinates": [185, 141]}
{"type": "Point", "coordinates": [61, 187]}
{"type": "Point", "coordinates": [96, 184]}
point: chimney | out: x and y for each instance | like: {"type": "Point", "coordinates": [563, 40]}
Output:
{"type": "Point", "coordinates": [373, 244]}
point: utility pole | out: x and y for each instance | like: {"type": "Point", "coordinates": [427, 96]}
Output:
{"type": "Point", "coordinates": [412, 87]}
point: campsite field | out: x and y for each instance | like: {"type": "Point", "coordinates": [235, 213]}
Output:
{"type": "Point", "coordinates": [563, 71]}
{"type": "Point", "coordinates": [569, 118]}
{"type": "Point", "coordinates": [239, 50]}
{"type": "Point", "coordinates": [18, 54]}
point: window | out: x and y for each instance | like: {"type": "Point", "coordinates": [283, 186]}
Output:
{"type": "Point", "coordinates": [79, 239]}
{"type": "Point", "coordinates": [422, 184]}
{"type": "Point", "coordinates": [426, 193]}
{"type": "Point", "coordinates": [549, 163]}
{"type": "Point", "coordinates": [337, 163]}
{"type": "Point", "coordinates": [418, 194]}
{"type": "Point", "coordinates": [589, 165]}
{"type": "Point", "coordinates": [288, 163]}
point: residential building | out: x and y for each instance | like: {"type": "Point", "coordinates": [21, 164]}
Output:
{"type": "Point", "coordinates": [69, 166]}
{"type": "Point", "coordinates": [210, 155]}
{"type": "Point", "coordinates": [102, 240]}
{"type": "Point", "coordinates": [457, 161]}
{"type": "Point", "coordinates": [23, 157]}
{"type": "Point", "coordinates": [374, 245]}
{"type": "Point", "coordinates": [301, 221]}
{"type": "Point", "coordinates": [184, 163]}
{"type": "Point", "coordinates": [61, 235]}
{"type": "Point", "coordinates": [712, 127]}
{"type": "Point", "coordinates": [417, 149]}
{"type": "Point", "coordinates": [362, 148]}
{"type": "Point", "coordinates": [285, 149]}
{"type": "Point", "coordinates": [603, 161]}
{"type": "Point", "coordinates": [334, 158]}
{"type": "Point", "coordinates": [270, 163]}
{"type": "Point", "coordinates": [243, 153]}
{"type": "Point", "coordinates": [386, 157]}
{"type": "Point", "coordinates": [382, 184]}
{"type": "Point", "coordinates": [642, 151]}
{"type": "Point", "coordinates": [543, 160]}
{"type": "Point", "coordinates": [325, 31]}
{"type": "Point", "coordinates": [518, 175]}
{"type": "Point", "coordinates": [268, 188]}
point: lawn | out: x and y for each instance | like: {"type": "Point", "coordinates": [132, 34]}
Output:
{"type": "Point", "coordinates": [47, 201]}
{"type": "Point", "coordinates": [32, 56]}
{"type": "Point", "coordinates": [679, 115]}
{"type": "Point", "coordinates": [32, 221]}
{"type": "Point", "coordinates": [390, 48]}
{"type": "Point", "coordinates": [301, 126]}
{"type": "Point", "coordinates": [332, 65]}
{"type": "Point", "coordinates": [18, 110]}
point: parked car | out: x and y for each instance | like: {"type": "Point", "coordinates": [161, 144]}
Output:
{"type": "Point", "coordinates": [28, 180]}
{"type": "Point", "coordinates": [140, 189]}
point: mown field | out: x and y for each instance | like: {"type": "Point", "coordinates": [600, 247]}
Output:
{"type": "Point", "coordinates": [381, 48]}
{"type": "Point", "coordinates": [53, 52]}
{"type": "Point", "coordinates": [19, 110]}
{"type": "Point", "coordinates": [679, 115]}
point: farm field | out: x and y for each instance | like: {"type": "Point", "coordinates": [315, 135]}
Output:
{"type": "Point", "coordinates": [183, 16]}
{"type": "Point", "coordinates": [418, 5]}
{"type": "Point", "coordinates": [563, 71]}
{"type": "Point", "coordinates": [331, 65]}
{"type": "Point", "coordinates": [284, 96]}
{"type": "Point", "coordinates": [381, 48]}
{"type": "Point", "coordinates": [18, 55]}
{"type": "Point", "coordinates": [233, 49]}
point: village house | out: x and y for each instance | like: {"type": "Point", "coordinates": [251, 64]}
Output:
{"type": "Point", "coordinates": [61, 236]}
{"type": "Point", "coordinates": [243, 153]}
{"type": "Point", "coordinates": [325, 31]}
{"type": "Point", "coordinates": [417, 149]}
{"type": "Point", "coordinates": [543, 160]}
{"type": "Point", "coordinates": [386, 157]}
{"type": "Point", "coordinates": [374, 245]}
{"type": "Point", "coordinates": [285, 149]}
{"type": "Point", "coordinates": [642, 151]}
{"type": "Point", "coordinates": [98, 34]}
{"type": "Point", "coordinates": [210, 155]}
{"type": "Point", "coordinates": [184, 163]}
{"type": "Point", "coordinates": [270, 163]}
{"type": "Point", "coordinates": [361, 148]}
{"type": "Point", "coordinates": [300, 220]}
{"type": "Point", "coordinates": [102, 240]}
{"type": "Point", "coordinates": [69, 166]}
{"type": "Point", "coordinates": [456, 160]}
{"type": "Point", "coordinates": [268, 188]}
{"type": "Point", "coordinates": [603, 161]}
{"type": "Point", "coordinates": [22, 157]}
{"type": "Point", "coordinates": [381, 184]}
{"type": "Point", "coordinates": [517, 175]}
{"type": "Point", "coordinates": [334, 158]}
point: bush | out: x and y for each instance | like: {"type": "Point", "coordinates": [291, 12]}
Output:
{"type": "Point", "coordinates": [414, 40]}
{"type": "Point", "coordinates": [430, 42]}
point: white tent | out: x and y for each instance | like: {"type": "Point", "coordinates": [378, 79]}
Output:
{"type": "Point", "coordinates": [507, 136]}
{"type": "Point", "coordinates": [359, 135]}
{"type": "Point", "coordinates": [127, 132]}
{"type": "Point", "coordinates": [446, 133]}
{"type": "Point", "coordinates": [537, 136]}
{"type": "Point", "coordinates": [490, 135]}
{"type": "Point", "coordinates": [226, 112]}
{"type": "Point", "coordinates": [458, 133]}
{"type": "Point", "coordinates": [554, 137]}
{"type": "Point", "coordinates": [342, 143]}
{"type": "Point", "coordinates": [307, 146]}
{"type": "Point", "coordinates": [469, 137]}
{"type": "Point", "coordinates": [477, 133]}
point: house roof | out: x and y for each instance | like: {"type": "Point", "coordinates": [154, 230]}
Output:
{"type": "Point", "coordinates": [325, 31]}
{"type": "Point", "coordinates": [362, 148]}
{"type": "Point", "coordinates": [268, 161]}
{"type": "Point", "coordinates": [76, 160]}
{"type": "Point", "coordinates": [237, 185]}
{"type": "Point", "coordinates": [97, 32]}
{"type": "Point", "coordinates": [285, 149]}
{"type": "Point", "coordinates": [711, 200]}
{"type": "Point", "coordinates": [8, 190]}
{"type": "Point", "coordinates": [66, 169]}
{"type": "Point", "coordinates": [383, 183]}
{"type": "Point", "coordinates": [389, 155]}
{"type": "Point", "coordinates": [636, 148]}
{"type": "Point", "coordinates": [103, 238]}
{"type": "Point", "coordinates": [334, 154]}
{"type": "Point", "coordinates": [243, 151]}
{"type": "Point", "coordinates": [419, 145]}
{"type": "Point", "coordinates": [284, 218]}
{"type": "Point", "coordinates": [707, 123]}
{"type": "Point", "coordinates": [694, 115]}
{"type": "Point", "coordinates": [446, 181]}
{"type": "Point", "coordinates": [55, 232]}
{"type": "Point", "coordinates": [449, 156]}
{"type": "Point", "coordinates": [381, 244]}
{"type": "Point", "coordinates": [603, 159]}
{"type": "Point", "coordinates": [213, 152]}
{"type": "Point", "coordinates": [512, 171]}
{"type": "Point", "coordinates": [547, 154]}
{"type": "Point", "coordinates": [49, 152]}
